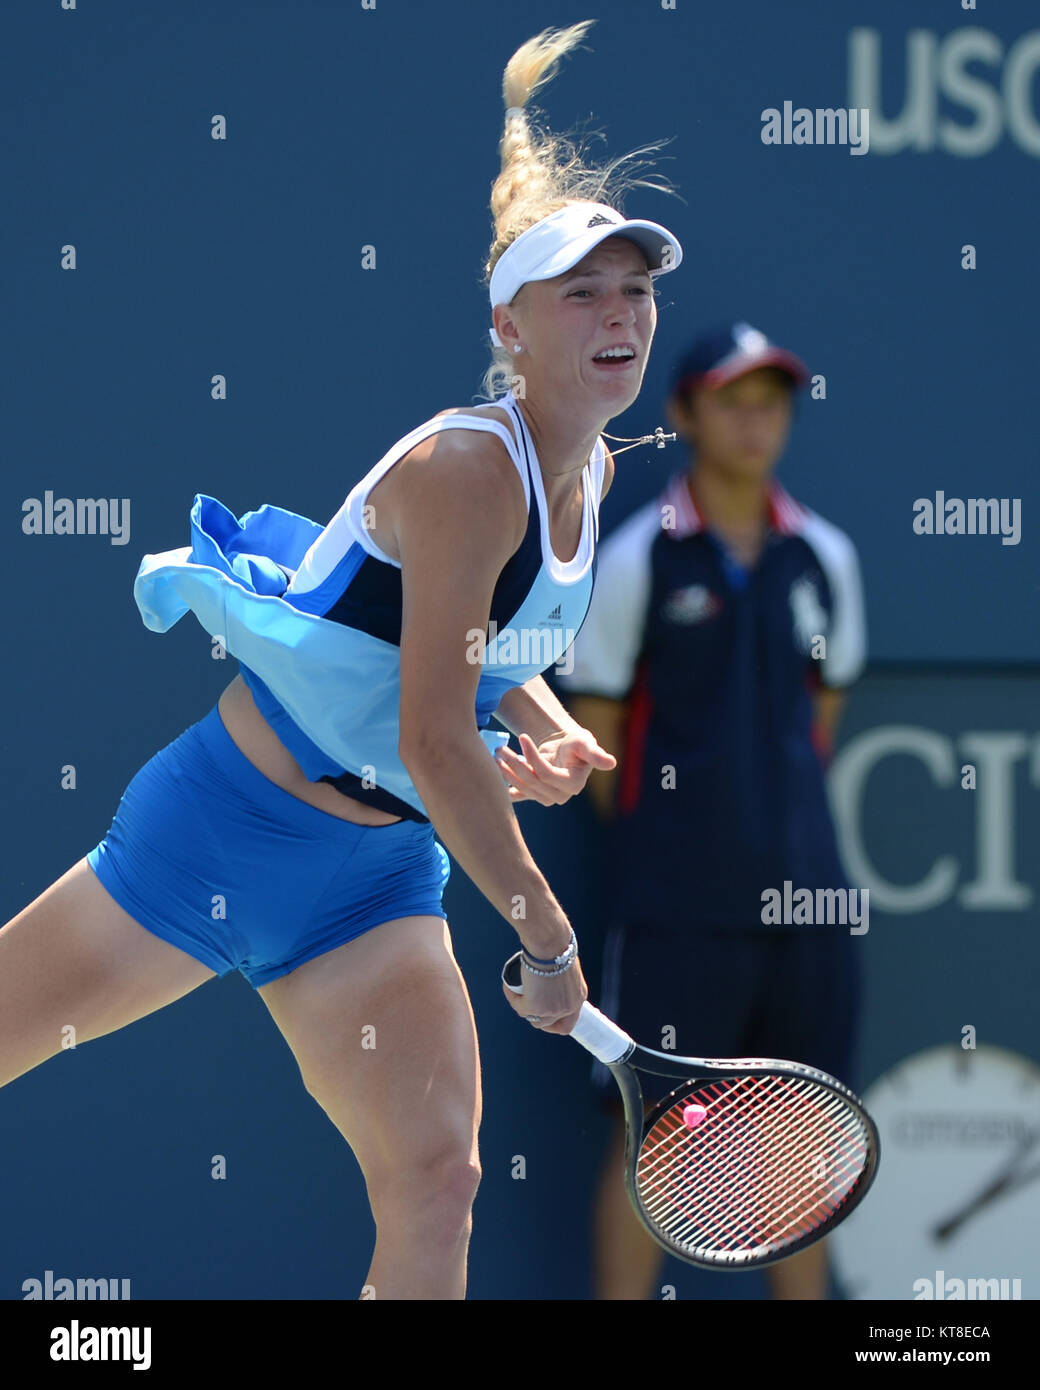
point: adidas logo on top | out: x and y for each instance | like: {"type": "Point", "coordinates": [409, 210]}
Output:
{"type": "Point", "coordinates": [554, 616]}
{"type": "Point", "coordinates": [600, 221]}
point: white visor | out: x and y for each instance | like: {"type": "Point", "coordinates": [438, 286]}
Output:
{"type": "Point", "coordinates": [558, 242]}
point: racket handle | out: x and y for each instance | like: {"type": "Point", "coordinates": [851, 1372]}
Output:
{"type": "Point", "coordinates": [596, 1033]}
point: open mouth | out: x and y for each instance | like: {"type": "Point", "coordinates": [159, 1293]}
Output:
{"type": "Point", "coordinates": [615, 357]}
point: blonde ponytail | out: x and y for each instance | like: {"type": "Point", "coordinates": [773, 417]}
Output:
{"type": "Point", "coordinates": [541, 173]}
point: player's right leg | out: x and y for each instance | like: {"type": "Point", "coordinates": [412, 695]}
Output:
{"type": "Point", "coordinates": [74, 956]}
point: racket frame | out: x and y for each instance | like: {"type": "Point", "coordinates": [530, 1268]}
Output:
{"type": "Point", "coordinates": [624, 1057]}
{"type": "Point", "coordinates": [694, 1071]}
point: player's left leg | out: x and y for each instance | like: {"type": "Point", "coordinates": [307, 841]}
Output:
{"type": "Point", "coordinates": [383, 1031]}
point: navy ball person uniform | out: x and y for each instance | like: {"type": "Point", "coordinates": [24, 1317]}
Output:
{"type": "Point", "coordinates": [720, 791]}
{"type": "Point", "coordinates": [207, 852]}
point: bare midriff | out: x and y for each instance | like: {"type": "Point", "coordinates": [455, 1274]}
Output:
{"type": "Point", "coordinates": [256, 740]}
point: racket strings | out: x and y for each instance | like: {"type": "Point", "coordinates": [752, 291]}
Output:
{"type": "Point", "coordinates": [804, 1212]}
{"type": "Point", "coordinates": [670, 1124]}
{"type": "Point", "coordinates": [731, 1200]}
{"type": "Point", "coordinates": [655, 1156]}
{"type": "Point", "coordinates": [817, 1136]}
{"type": "Point", "coordinates": [783, 1195]}
{"type": "Point", "coordinates": [751, 1220]}
{"type": "Point", "coordinates": [773, 1159]}
{"type": "Point", "coordinates": [792, 1209]}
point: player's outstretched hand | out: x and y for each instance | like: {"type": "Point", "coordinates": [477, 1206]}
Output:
{"type": "Point", "coordinates": [554, 770]}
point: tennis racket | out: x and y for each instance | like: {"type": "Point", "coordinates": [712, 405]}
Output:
{"type": "Point", "coordinates": [746, 1161]}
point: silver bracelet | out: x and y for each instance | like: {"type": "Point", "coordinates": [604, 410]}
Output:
{"type": "Point", "coordinates": [559, 970]}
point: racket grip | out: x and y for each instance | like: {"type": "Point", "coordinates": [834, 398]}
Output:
{"type": "Point", "coordinates": [596, 1033]}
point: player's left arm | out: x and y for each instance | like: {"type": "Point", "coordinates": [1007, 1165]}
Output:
{"type": "Point", "coordinates": [533, 709]}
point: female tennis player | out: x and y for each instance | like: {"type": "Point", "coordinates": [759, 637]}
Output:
{"type": "Point", "coordinates": [290, 833]}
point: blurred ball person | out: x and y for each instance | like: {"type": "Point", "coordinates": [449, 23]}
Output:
{"type": "Point", "coordinates": [727, 621]}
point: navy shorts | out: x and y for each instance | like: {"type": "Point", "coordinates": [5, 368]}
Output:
{"type": "Point", "coordinates": [789, 993]}
{"type": "Point", "coordinates": [212, 856]}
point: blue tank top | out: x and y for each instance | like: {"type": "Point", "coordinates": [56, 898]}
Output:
{"type": "Point", "coordinates": [313, 614]}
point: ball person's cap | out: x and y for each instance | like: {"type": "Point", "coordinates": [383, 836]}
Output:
{"type": "Point", "coordinates": [720, 357]}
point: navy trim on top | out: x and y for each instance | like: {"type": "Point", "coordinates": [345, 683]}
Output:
{"type": "Point", "coordinates": [372, 600]}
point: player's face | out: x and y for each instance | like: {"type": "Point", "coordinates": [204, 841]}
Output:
{"type": "Point", "coordinates": [742, 428]}
{"type": "Point", "coordinates": [605, 301]}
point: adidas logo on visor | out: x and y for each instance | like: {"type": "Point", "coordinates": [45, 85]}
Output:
{"type": "Point", "coordinates": [600, 221]}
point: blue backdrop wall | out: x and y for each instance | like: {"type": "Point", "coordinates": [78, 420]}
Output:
{"type": "Point", "coordinates": [350, 126]}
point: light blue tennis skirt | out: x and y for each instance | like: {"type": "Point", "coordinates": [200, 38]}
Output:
{"type": "Point", "coordinates": [209, 854]}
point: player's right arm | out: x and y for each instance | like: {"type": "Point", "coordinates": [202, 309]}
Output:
{"type": "Point", "coordinates": [457, 513]}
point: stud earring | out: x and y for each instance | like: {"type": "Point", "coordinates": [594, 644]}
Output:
{"type": "Point", "coordinates": [518, 347]}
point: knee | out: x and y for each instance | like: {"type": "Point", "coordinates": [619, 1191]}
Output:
{"type": "Point", "coordinates": [431, 1194]}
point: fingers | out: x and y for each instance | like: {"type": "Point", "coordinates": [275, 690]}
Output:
{"type": "Point", "coordinates": [510, 778]}
{"type": "Point", "coordinates": [520, 774]}
{"type": "Point", "coordinates": [599, 757]}
{"type": "Point", "coordinates": [516, 1003]}
{"type": "Point", "coordinates": [536, 777]}
{"type": "Point", "coordinates": [562, 1026]}
{"type": "Point", "coordinates": [588, 752]}
{"type": "Point", "coordinates": [534, 756]}
{"type": "Point", "coordinates": [548, 1022]}
{"type": "Point", "coordinates": [533, 767]}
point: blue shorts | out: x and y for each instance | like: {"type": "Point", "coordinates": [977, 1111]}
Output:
{"type": "Point", "coordinates": [209, 854]}
{"type": "Point", "coordinates": [784, 992]}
